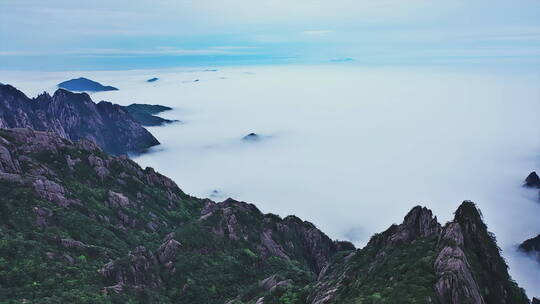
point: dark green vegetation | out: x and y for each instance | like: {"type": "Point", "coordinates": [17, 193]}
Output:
{"type": "Point", "coordinates": [145, 114]}
{"type": "Point", "coordinates": [404, 274]}
{"type": "Point", "coordinates": [67, 210]}
{"type": "Point", "coordinates": [489, 268]}
{"type": "Point", "coordinates": [419, 261]}
{"type": "Point", "coordinates": [80, 226]}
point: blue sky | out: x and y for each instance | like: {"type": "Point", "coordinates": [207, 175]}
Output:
{"type": "Point", "coordinates": [62, 34]}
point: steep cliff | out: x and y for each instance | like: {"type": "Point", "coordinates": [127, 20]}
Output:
{"type": "Point", "coordinates": [75, 116]}
{"type": "Point", "coordinates": [420, 262]}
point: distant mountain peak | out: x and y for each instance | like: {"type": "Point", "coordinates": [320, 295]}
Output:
{"type": "Point", "coordinates": [145, 114]}
{"type": "Point", "coordinates": [82, 84]}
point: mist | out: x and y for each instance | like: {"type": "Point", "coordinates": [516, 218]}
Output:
{"type": "Point", "coordinates": [351, 149]}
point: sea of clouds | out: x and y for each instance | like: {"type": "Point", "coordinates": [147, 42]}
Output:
{"type": "Point", "coordinates": [349, 148]}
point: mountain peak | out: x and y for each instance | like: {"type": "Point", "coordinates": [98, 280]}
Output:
{"type": "Point", "coordinates": [84, 84]}
{"type": "Point", "coordinates": [74, 116]}
{"type": "Point", "coordinates": [63, 94]}
{"type": "Point", "coordinates": [418, 223]}
{"type": "Point", "coordinates": [459, 262]}
{"type": "Point", "coordinates": [469, 216]}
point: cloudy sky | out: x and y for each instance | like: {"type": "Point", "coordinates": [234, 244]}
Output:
{"type": "Point", "coordinates": [124, 33]}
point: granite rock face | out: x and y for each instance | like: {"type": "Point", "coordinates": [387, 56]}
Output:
{"type": "Point", "coordinates": [52, 192]}
{"type": "Point", "coordinates": [288, 238]}
{"type": "Point", "coordinates": [532, 180]}
{"type": "Point", "coordinates": [455, 280]}
{"type": "Point", "coordinates": [462, 258]}
{"type": "Point", "coordinates": [74, 116]}
{"type": "Point", "coordinates": [419, 222]}
{"type": "Point", "coordinates": [139, 271]}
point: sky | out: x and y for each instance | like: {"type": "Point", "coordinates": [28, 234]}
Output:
{"type": "Point", "coordinates": [122, 34]}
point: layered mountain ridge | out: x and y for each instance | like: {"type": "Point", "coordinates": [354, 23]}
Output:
{"type": "Point", "coordinates": [75, 116]}
{"type": "Point", "coordinates": [79, 225]}
{"type": "Point", "coordinates": [145, 114]}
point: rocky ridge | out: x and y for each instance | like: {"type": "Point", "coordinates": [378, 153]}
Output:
{"type": "Point", "coordinates": [145, 114]}
{"type": "Point", "coordinates": [75, 116]}
{"type": "Point", "coordinates": [461, 262]}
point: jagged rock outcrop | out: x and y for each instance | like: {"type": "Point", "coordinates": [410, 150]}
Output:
{"type": "Point", "coordinates": [455, 280]}
{"type": "Point", "coordinates": [33, 158]}
{"type": "Point", "coordinates": [52, 192]}
{"type": "Point", "coordinates": [166, 253]}
{"type": "Point", "coordinates": [531, 246]}
{"type": "Point", "coordinates": [7, 164]}
{"type": "Point", "coordinates": [532, 180]}
{"type": "Point", "coordinates": [462, 258]}
{"type": "Point", "coordinates": [288, 238]}
{"type": "Point", "coordinates": [135, 273]}
{"type": "Point", "coordinates": [535, 301]}
{"type": "Point", "coordinates": [74, 116]}
{"type": "Point", "coordinates": [139, 269]}
{"type": "Point", "coordinates": [336, 277]}
{"type": "Point", "coordinates": [119, 200]}
{"type": "Point", "coordinates": [273, 282]}
{"type": "Point", "coordinates": [494, 280]}
{"type": "Point", "coordinates": [419, 222]}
